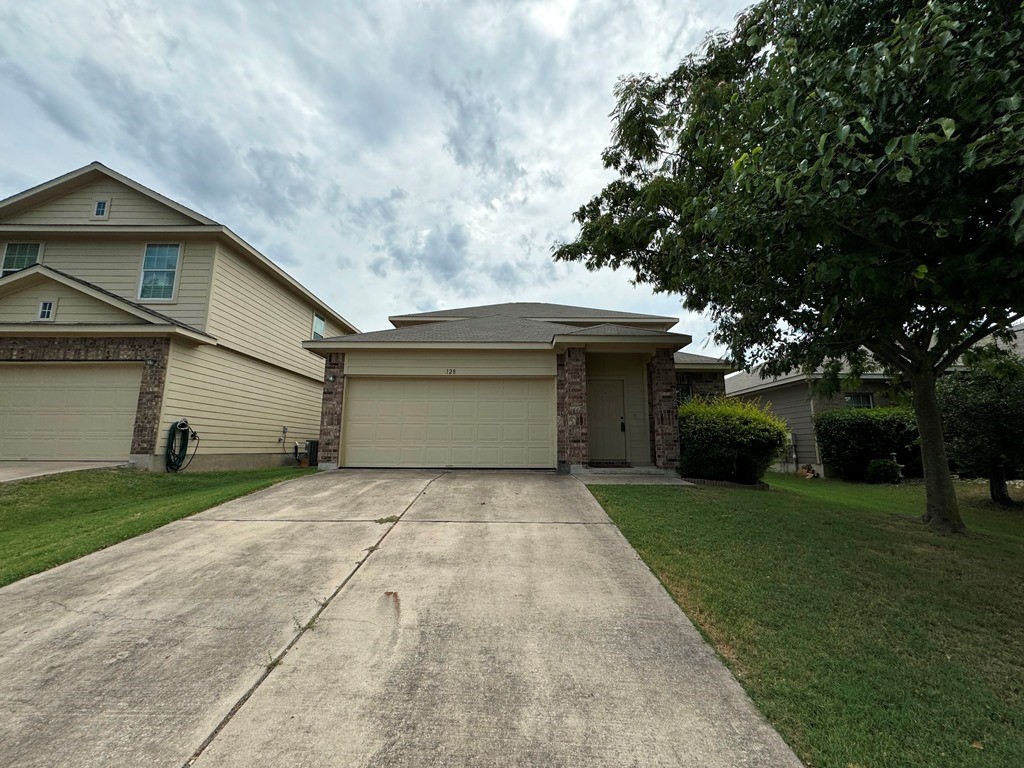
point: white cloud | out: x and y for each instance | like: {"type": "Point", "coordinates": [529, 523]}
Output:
{"type": "Point", "coordinates": [392, 156]}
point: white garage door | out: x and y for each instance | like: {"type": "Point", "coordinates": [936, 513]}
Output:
{"type": "Point", "coordinates": [67, 411]}
{"type": "Point", "coordinates": [398, 422]}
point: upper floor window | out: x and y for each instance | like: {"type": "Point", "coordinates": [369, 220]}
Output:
{"type": "Point", "coordinates": [18, 256]}
{"type": "Point", "coordinates": [319, 327]}
{"type": "Point", "coordinates": [859, 400]}
{"type": "Point", "coordinates": [47, 310]}
{"type": "Point", "coordinates": [101, 209]}
{"type": "Point", "coordinates": [159, 271]}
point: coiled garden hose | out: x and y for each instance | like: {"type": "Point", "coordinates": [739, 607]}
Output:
{"type": "Point", "coordinates": [177, 445]}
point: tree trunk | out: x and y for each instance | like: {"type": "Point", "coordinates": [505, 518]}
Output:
{"type": "Point", "coordinates": [941, 508]}
{"type": "Point", "coordinates": [997, 484]}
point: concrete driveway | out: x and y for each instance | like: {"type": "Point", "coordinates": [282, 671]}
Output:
{"type": "Point", "coordinates": [502, 621]}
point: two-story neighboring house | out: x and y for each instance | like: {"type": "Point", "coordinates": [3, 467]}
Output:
{"type": "Point", "coordinates": [122, 312]}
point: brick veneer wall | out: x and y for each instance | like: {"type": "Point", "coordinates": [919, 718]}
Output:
{"type": "Point", "coordinates": [571, 384]}
{"type": "Point", "coordinates": [153, 352]}
{"type": "Point", "coordinates": [330, 413]}
{"type": "Point", "coordinates": [702, 383]}
{"type": "Point", "coordinates": [664, 416]}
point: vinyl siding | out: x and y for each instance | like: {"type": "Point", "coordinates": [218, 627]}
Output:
{"type": "Point", "coordinates": [236, 404]}
{"type": "Point", "coordinates": [631, 369]}
{"type": "Point", "coordinates": [127, 207]}
{"type": "Point", "coordinates": [792, 403]}
{"type": "Point", "coordinates": [252, 312]}
{"type": "Point", "coordinates": [429, 363]}
{"type": "Point", "coordinates": [116, 265]}
{"type": "Point", "coordinates": [72, 307]}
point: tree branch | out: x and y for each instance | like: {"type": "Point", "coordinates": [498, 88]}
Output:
{"type": "Point", "coordinates": [970, 341]}
{"type": "Point", "coordinates": [889, 353]}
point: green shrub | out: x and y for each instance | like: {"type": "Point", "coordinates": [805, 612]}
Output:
{"type": "Point", "coordinates": [883, 471]}
{"type": "Point", "coordinates": [849, 438]}
{"type": "Point", "coordinates": [728, 439]}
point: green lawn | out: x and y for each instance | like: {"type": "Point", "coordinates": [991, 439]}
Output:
{"type": "Point", "coordinates": [50, 520]}
{"type": "Point", "coordinates": [867, 639]}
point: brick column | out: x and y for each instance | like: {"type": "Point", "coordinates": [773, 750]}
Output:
{"type": "Point", "coordinates": [573, 448]}
{"type": "Point", "coordinates": [330, 412]}
{"type": "Point", "coordinates": [146, 434]}
{"type": "Point", "coordinates": [664, 415]}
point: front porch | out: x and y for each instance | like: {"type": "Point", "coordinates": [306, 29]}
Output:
{"type": "Point", "coordinates": [617, 408]}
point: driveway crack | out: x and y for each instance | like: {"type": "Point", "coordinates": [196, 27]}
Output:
{"type": "Point", "coordinates": [276, 660]}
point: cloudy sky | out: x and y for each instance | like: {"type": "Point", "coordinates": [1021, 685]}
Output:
{"type": "Point", "coordinates": [393, 156]}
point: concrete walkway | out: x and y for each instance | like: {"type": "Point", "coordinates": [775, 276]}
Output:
{"type": "Point", "coordinates": [20, 470]}
{"type": "Point", "coordinates": [502, 621]}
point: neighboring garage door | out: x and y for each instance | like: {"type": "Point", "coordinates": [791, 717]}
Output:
{"type": "Point", "coordinates": [405, 422]}
{"type": "Point", "coordinates": [67, 410]}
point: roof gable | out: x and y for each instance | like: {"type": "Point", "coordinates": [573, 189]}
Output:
{"type": "Point", "coordinates": [40, 274]}
{"type": "Point", "coordinates": [20, 303]}
{"type": "Point", "coordinates": [68, 200]}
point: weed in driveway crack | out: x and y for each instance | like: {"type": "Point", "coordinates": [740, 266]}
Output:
{"type": "Point", "coordinates": [388, 519]}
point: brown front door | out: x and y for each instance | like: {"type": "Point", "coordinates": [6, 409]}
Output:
{"type": "Point", "coordinates": [606, 413]}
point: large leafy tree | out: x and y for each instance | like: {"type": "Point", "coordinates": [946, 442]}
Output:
{"type": "Point", "coordinates": [829, 179]}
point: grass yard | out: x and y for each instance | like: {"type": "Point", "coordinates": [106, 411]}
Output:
{"type": "Point", "coordinates": [50, 520]}
{"type": "Point", "coordinates": [868, 640]}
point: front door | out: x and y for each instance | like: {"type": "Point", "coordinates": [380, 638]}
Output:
{"type": "Point", "coordinates": [606, 413]}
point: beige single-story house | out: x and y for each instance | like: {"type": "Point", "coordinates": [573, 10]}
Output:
{"type": "Point", "coordinates": [123, 312]}
{"type": "Point", "coordinates": [519, 385]}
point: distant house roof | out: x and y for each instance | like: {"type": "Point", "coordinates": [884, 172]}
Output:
{"type": "Point", "coordinates": [500, 330]}
{"type": "Point", "coordinates": [1018, 338]}
{"type": "Point", "coordinates": [692, 361]}
{"type": "Point", "coordinates": [533, 310]}
{"type": "Point", "coordinates": [743, 381]}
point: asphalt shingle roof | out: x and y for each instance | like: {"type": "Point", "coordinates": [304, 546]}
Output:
{"type": "Point", "coordinates": [492, 329]}
{"type": "Point", "coordinates": [480, 329]}
{"type": "Point", "coordinates": [531, 309]}
{"type": "Point", "coordinates": [689, 358]}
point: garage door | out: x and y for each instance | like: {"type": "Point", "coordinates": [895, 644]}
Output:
{"type": "Point", "coordinates": [397, 422]}
{"type": "Point", "coordinates": [67, 411]}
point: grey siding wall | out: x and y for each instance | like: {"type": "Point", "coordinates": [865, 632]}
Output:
{"type": "Point", "coordinates": [792, 403]}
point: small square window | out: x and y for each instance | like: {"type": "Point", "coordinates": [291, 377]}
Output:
{"type": "Point", "coordinates": [100, 209]}
{"type": "Point", "coordinates": [319, 327]}
{"type": "Point", "coordinates": [859, 400]}
{"type": "Point", "coordinates": [47, 310]}
{"type": "Point", "coordinates": [18, 256]}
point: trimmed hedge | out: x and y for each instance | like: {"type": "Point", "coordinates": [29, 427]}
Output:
{"type": "Point", "coordinates": [727, 439]}
{"type": "Point", "coordinates": [849, 438]}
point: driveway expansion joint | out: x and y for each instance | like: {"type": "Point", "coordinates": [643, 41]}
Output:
{"type": "Point", "coordinates": [516, 522]}
{"type": "Point", "coordinates": [322, 606]}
